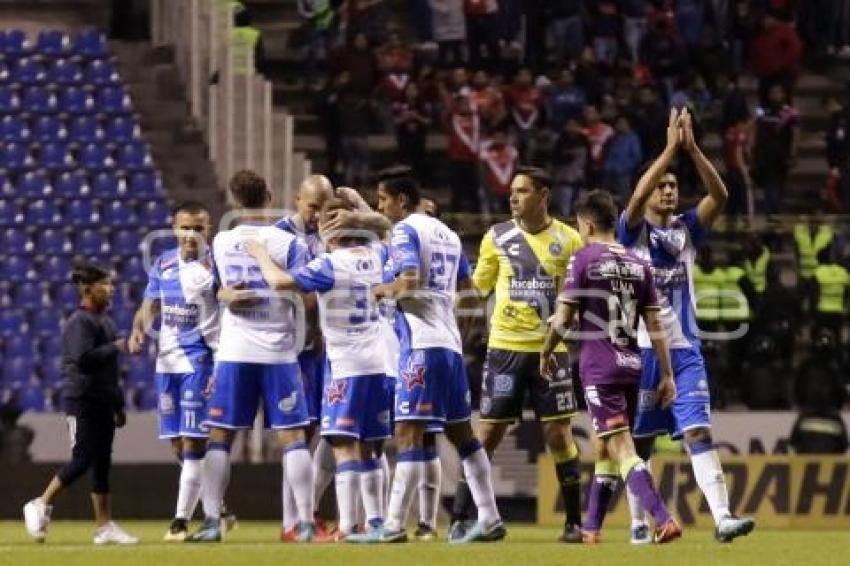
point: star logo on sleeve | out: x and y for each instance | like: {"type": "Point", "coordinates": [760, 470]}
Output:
{"type": "Point", "coordinates": [414, 377]}
{"type": "Point", "coordinates": [335, 392]}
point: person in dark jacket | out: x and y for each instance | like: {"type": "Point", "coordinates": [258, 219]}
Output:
{"type": "Point", "coordinates": [94, 403]}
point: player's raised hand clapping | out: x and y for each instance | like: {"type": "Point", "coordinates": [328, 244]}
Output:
{"type": "Point", "coordinates": [686, 127]}
{"type": "Point", "coordinates": [674, 132]}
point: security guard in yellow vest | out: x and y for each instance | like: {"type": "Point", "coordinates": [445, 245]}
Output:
{"type": "Point", "coordinates": [708, 280]}
{"type": "Point", "coordinates": [246, 43]}
{"type": "Point", "coordinates": [810, 240]}
{"type": "Point", "coordinates": [832, 281]}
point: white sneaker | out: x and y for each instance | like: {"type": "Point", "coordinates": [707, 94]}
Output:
{"type": "Point", "coordinates": [111, 533]}
{"type": "Point", "coordinates": [37, 518]}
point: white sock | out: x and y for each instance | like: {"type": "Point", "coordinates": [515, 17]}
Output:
{"type": "Point", "coordinates": [636, 509]}
{"type": "Point", "coordinates": [476, 469]}
{"type": "Point", "coordinates": [709, 476]}
{"type": "Point", "coordinates": [372, 490]}
{"type": "Point", "coordinates": [290, 508]}
{"type": "Point", "coordinates": [429, 491]}
{"type": "Point", "coordinates": [347, 492]}
{"type": "Point", "coordinates": [324, 469]}
{"type": "Point", "coordinates": [406, 479]}
{"type": "Point", "coordinates": [216, 477]}
{"type": "Point", "coordinates": [189, 490]}
{"type": "Point", "coordinates": [298, 467]}
{"type": "Point", "coordinates": [384, 465]}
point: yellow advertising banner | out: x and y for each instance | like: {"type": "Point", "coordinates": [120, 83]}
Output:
{"type": "Point", "coordinates": [793, 492]}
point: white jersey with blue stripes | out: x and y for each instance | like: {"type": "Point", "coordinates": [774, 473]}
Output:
{"type": "Point", "coordinates": [348, 313]}
{"type": "Point", "coordinates": [672, 252]}
{"type": "Point", "coordinates": [189, 314]}
{"type": "Point", "coordinates": [266, 331]}
{"type": "Point", "coordinates": [429, 247]}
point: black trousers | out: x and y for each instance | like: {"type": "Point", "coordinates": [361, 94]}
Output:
{"type": "Point", "coordinates": [92, 433]}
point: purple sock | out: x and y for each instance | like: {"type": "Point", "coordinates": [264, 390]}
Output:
{"type": "Point", "coordinates": [601, 492]}
{"type": "Point", "coordinates": [640, 482]}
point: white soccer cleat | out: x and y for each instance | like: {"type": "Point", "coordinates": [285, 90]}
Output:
{"type": "Point", "coordinates": [37, 518]}
{"type": "Point", "coordinates": [111, 533]}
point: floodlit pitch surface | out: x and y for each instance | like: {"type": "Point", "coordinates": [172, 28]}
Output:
{"type": "Point", "coordinates": [69, 544]}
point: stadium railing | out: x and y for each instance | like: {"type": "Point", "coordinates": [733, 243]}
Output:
{"type": "Point", "coordinates": [233, 106]}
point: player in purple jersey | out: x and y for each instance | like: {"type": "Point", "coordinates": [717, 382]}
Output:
{"type": "Point", "coordinates": [650, 226]}
{"type": "Point", "coordinates": [608, 288]}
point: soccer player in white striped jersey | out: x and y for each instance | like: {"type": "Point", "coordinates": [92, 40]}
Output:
{"type": "Point", "coordinates": [430, 268]}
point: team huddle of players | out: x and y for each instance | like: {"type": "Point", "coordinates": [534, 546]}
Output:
{"type": "Point", "coordinates": [342, 319]}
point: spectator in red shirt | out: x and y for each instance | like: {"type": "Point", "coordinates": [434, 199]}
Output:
{"type": "Point", "coordinates": [597, 133]}
{"type": "Point", "coordinates": [412, 117]}
{"type": "Point", "coordinates": [487, 100]}
{"type": "Point", "coordinates": [499, 159]}
{"type": "Point", "coordinates": [775, 56]}
{"type": "Point", "coordinates": [525, 103]}
{"type": "Point", "coordinates": [737, 154]}
{"type": "Point", "coordinates": [463, 128]}
{"type": "Point", "coordinates": [482, 32]}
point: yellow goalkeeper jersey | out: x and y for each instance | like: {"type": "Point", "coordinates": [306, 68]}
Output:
{"type": "Point", "coordinates": [527, 271]}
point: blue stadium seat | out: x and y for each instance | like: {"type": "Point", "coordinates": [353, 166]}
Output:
{"type": "Point", "coordinates": [14, 128]}
{"type": "Point", "coordinates": [122, 129]}
{"type": "Point", "coordinates": [52, 242]}
{"type": "Point", "coordinates": [56, 156]}
{"type": "Point", "coordinates": [12, 323]}
{"type": "Point", "coordinates": [134, 156]}
{"type": "Point", "coordinates": [55, 269]}
{"type": "Point", "coordinates": [120, 214]}
{"type": "Point", "coordinates": [15, 241]}
{"type": "Point", "coordinates": [10, 102]}
{"type": "Point", "coordinates": [11, 213]}
{"type": "Point", "coordinates": [85, 129]}
{"type": "Point", "coordinates": [4, 71]}
{"type": "Point", "coordinates": [113, 100]}
{"type": "Point", "coordinates": [31, 398]}
{"type": "Point", "coordinates": [133, 270]}
{"type": "Point", "coordinates": [54, 43]}
{"type": "Point", "coordinates": [90, 242]}
{"type": "Point", "coordinates": [16, 43]}
{"type": "Point", "coordinates": [66, 296]}
{"type": "Point", "coordinates": [81, 212]}
{"type": "Point", "coordinates": [28, 71]}
{"type": "Point", "coordinates": [29, 295]}
{"type": "Point", "coordinates": [146, 398]}
{"type": "Point", "coordinates": [34, 185]}
{"type": "Point", "coordinates": [101, 73]}
{"type": "Point", "coordinates": [18, 371]}
{"type": "Point", "coordinates": [39, 100]}
{"type": "Point", "coordinates": [45, 322]}
{"type": "Point", "coordinates": [75, 100]}
{"type": "Point", "coordinates": [18, 345]}
{"type": "Point", "coordinates": [106, 184]}
{"type": "Point", "coordinates": [42, 213]}
{"type": "Point", "coordinates": [155, 214]}
{"type": "Point", "coordinates": [91, 44]}
{"type": "Point", "coordinates": [145, 184]}
{"type": "Point", "coordinates": [123, 318]}
{"type": "Point", "coordinates": [51, 346]}
{"type": "Point", "coordinates": [65, 72]}
{"type": "Point", "coordinates": [51, 370]}
{"type": "Point", "coordinates": [72, 184]}
{"type": "Point", "coordinates": [49, 128]}
{"type": "Point", "coordinates": [17, 269]}
{"type": "Point", "coordinates": [95, 156]}
{"type": "Point", "coordinates": [16, 156]}
{"type": "Point", "coordinates": [126, 242]}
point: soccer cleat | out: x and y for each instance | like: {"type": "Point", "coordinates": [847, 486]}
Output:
{"type": "Point", "coordinates": [591, 537]}
{"type": "Point", "coordinates": [37, 518]}
{"type": "Point", "coordinates": [289, 536]}
{"type": "Point", "coordinates": [478, 533]}
{"type": "Point", "coordinates": [178, 531]}
{"type": "Point", "coordinates": [373, 535]}
{"type": "Point", "coordinates": [111, 533]}
{"type": "Point", "coordinates": [668, 532]}
{"type": "Point", "coordinates": [730, 527]}
{"type": "Point", "coordinates": [458, 529]}
{"type": "Point", "coordinates": [228, 519]}
{"type": "Point", "coordinates": [572, 534]}
{"type": "Point", "coordinates": [210, 531]}
{"type": "Point", "coordinates": [641, 534]}
{"type": "Point", "coordinates": [424, 533]}
{"type": "Point", "coordinates": [392, 536]}
{"type": "Point", "coordinates": [306, 532]}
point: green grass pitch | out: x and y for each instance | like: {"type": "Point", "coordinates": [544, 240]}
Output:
{"type": "Point", "coordinates": [69, 544]}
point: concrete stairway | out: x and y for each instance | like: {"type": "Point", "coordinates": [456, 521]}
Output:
{"type": "Point", "coordinates": [177, 144]}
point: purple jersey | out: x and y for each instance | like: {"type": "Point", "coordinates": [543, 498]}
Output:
{"type": "Point", "coordinates": [611, 287]}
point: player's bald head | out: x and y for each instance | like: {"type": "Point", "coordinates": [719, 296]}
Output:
{"type": "Point", "coordinates": [314, 191]}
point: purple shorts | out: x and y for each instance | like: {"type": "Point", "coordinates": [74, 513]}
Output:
{"type": "Point", "coordinates": [611, 407]}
